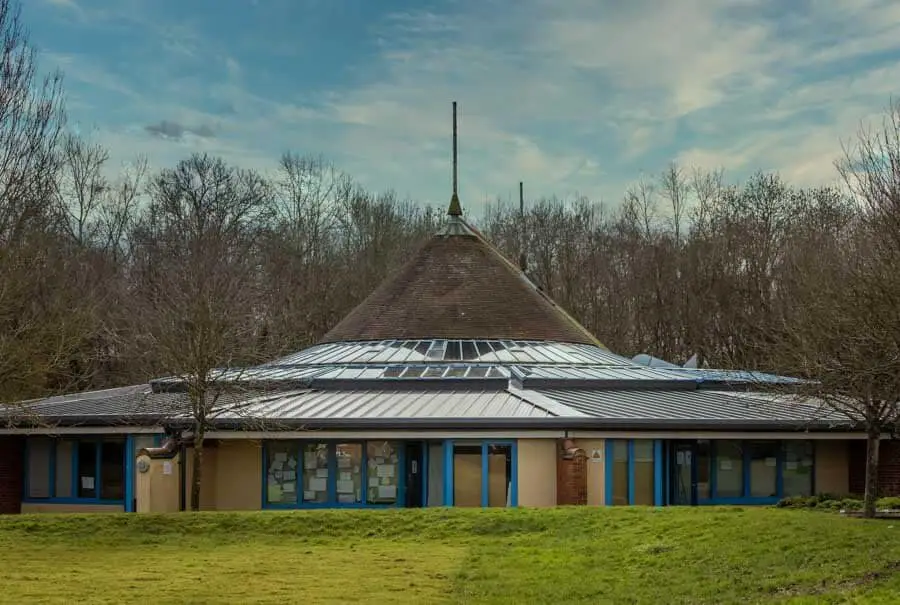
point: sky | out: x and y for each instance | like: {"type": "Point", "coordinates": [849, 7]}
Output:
{"type": "Point", "coordinates": [573, 97]}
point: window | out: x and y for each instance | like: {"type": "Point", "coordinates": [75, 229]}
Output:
{"type": "Point", "coordinates": [65, 453]}
{"type": "Point", "coordinates": [704, 461]}
{"type": "Point", "coordinates": [281, 478]}
{"type": "Point", "coordinates": [797, 469]}
{"type": "Point", "coordinates": [112, 471]}
{"type": "Point", "coordinates": [383, 472]}
{"type": "Point", "coordinates": [349, 466]}
{"type": "Point", "coordinates": [483, 474]}
{"type": "Point", "coordinates": [499, 468]}
{"type": "Point", "coordinates": [729, 469]}
{"type": "Point", "coordinates": [644, 481]}
{"type": "Point", "coordinates": [40, 451]}
{"type": "Point", "coordinates": [88, 469]}
{"type": "Point", "coordinates": [302, 473]}
{"type": "Point", "coordinates": [466, 475]}
{"type": "Point", "coordinates": [620, 472]}
{"type": "Point", "coordinates": [435, 474]}
{"type": "Point", "coordinates": [315, 472]}
{"type": "Point", "coordinates": [763, 469]}
{"type": "Point", "coordinates": [631, 472]}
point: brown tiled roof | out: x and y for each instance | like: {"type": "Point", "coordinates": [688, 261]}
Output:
{"type": "Point", "coordinates": [458, 286]}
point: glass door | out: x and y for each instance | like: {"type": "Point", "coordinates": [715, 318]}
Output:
{"type": "Point", "coordinates": [683, 488]}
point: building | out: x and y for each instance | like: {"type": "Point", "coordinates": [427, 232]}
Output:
{"type": "Point", "coordinates": [456, 383]}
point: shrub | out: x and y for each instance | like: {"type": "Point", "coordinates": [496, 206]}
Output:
{"type": "Point", "coordinates": [889, 503]}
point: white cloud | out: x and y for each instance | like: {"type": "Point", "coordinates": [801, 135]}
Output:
{"type": "Point", "coordinates": [576, 96]}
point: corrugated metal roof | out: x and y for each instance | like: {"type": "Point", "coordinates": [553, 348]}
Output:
{"type": "Point", "coordinates": [383, 404]}
{"type": "Point", "coordinates": [124, 402]}
{"type": "Point", "coordinates": [601, 376]}
{"type": "Point", "coordinates": [744, 377]}
{"type": "Point", "coordinates": [697, 405]}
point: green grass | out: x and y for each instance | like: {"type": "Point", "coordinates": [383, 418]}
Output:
{"type": "Point", "coordinates": [573, 555]}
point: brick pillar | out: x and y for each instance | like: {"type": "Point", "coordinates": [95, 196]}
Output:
{"type": "Point", "coordinates": [888, 467]}
{"type": "Point", "coordinates": [11, 471]}
{"type": "Point", "coordinates": [571, 475]}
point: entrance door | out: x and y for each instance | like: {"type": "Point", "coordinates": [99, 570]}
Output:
{"type": "Point", "coordinates": [683, 488]}
{"type": "Point", "coordinates": [414, 473]}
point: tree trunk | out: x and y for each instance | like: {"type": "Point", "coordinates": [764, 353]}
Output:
{"type": "Point", "coordinates": [873, 438]}
{"type": "Point", "coordinates": [197, 466]}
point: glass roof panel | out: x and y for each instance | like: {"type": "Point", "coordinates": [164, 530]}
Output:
{"type": "Point", "coordinates": [453, 351]}
{"type": "Point", "coordinates": [486, 351]}
{"type": "Point", "coordinates": [437, 350]}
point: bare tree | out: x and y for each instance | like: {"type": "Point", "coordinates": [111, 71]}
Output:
{"type": "Point", "coordinates": [80, 188]}
{"type": "Point", "coordinates": [31, 118]}
{"type": "Point", "coordinates": [197, 266]}
{"type": "Point", "coordinates": [39, 313]}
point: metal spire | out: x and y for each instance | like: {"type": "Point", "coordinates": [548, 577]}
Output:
{"type": "Point", "coordinates": [455, 208]}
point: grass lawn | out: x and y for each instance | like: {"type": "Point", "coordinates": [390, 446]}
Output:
{"type": "Point", "coordinates": [574, 555]}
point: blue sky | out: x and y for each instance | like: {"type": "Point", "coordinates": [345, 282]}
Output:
{"type": "Point", "coordinates": [571, 96]}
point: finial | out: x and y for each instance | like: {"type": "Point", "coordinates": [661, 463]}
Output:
{"type": "Point", "coordinates": [455, 208]}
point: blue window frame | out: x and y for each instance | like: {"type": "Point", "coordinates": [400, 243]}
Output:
{"type": "Point", "coordinates": [83, 470]}
{"type": "Point", "coordinates": [634, 472]}
{"type": "Point", "coordinates": [333, 474]}
{"type": "Point", "coordinates": [493, 453]}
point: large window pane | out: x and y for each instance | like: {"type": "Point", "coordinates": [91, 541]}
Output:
{"type": "Point", "coordinates": [315, 472]}
{"type": "Point", "coordinates": [435, 474]}
{"type": "Point", "coordinates": [87, 469]}
{"type": "Point", "coordinates": [383, 472]}
{"type": "Point", "coordinates": [763, 468]}
{"type": "Point", "coordinates": [644, 482]}
{"type": "Point", "coordinates": [349, 469]}
{"type": "Point", "coordinates": [65, 450]}
{"type": "Point", "coordinates": [112, 470]}
{"type": "Point", "coordinates": [704, 464]}
{"type": "Point", "coordinates": [499, 474]}
{"type": "Point", "coordinates": [281, 472]}
{"type": "Point", "coordinates": [797, 474]}
{"type": "Point", "coordinates": [729, 469]}
{"type": "Point", "coordinates": [620, 472]}
{"type": "Point", "coordinates": [467, 475]}
{"type": "Point", "coordinates": [39, 454]}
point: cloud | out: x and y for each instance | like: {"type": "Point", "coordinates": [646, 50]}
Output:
{"type": "Point", "coordinates": [69, 4]}
{"type": "Point", "coordinates": [173, 130]}
{"type": "Point", "coordinates": [581, 96]}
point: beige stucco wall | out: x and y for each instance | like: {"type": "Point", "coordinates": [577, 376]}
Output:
{"type": "Point", "coordinates": [157, 490]}
{"type": "Point", "coordinates": [596, 478]}
{"type": "Point", "coordinates": [37, 507]}
{"type": "Point", "coordinates": [238, 484]}
{"type": "Point", "coordinates": [209, 479]}
{"type": "Point", "coordinates": [832, 467]}
{"type": "Point", "coordinates": [232, 475]}
{"type": "Point", "coordinates": [537, 472]}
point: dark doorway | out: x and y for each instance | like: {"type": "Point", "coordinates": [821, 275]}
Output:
{"type": "Point", "coordinates": [414, 474]}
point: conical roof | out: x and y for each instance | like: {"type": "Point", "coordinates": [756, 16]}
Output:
{"type": "Point", "coordinates": [458, 286]}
